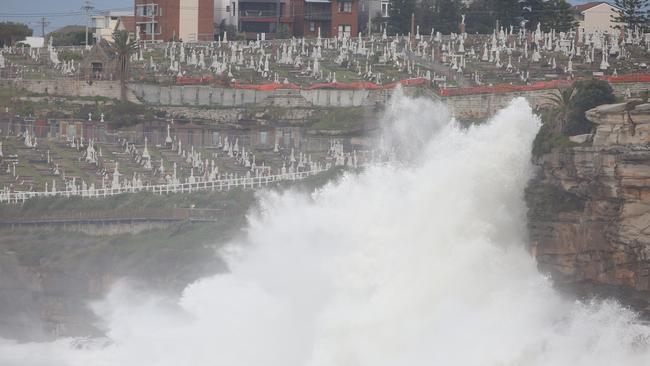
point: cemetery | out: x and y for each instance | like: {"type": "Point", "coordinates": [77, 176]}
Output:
{"type": "Point", "coordinates": [235, 97]}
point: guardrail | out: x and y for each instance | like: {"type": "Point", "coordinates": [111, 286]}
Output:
{"type": "Point", "coordinates": [214, 185]}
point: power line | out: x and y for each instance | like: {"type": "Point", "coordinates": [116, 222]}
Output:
{"type": "Point", "coordinates": [43, 23]}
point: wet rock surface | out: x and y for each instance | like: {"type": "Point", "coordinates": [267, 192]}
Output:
{"type": "Point", "coordinates": [589, 209]}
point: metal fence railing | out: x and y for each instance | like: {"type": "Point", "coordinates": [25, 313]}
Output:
{"type": "Point", "coordinates": [208, 185]}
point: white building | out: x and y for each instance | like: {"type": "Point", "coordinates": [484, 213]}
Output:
{"type": "Point", "coordinates": [596, 16]}
{"type": "Point", "coordinates": [34, 42]}
{"type": "Point", "coordinates": [226, 10]}
{"type": "Point", "coordinates": [105, 24]}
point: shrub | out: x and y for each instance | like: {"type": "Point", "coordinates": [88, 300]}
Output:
{"type": "Point", "coordinates": [589, 94]}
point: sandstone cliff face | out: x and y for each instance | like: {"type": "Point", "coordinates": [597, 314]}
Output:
{"type": "Point", "coordinates": [589, 209]}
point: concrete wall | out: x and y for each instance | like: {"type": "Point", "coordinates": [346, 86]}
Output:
{"type": "Point", "coordinates": [483, 105]}
{"type": "Point", "coordinates": [227, 97]}
{"type": "Point", "coordinates": [95, 229]}
{"type": "Point", "coordinates": [635, 88]}
{"type": "Point", "coordinates": [74, 88]}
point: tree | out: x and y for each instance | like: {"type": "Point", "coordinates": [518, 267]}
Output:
{"type": "Point", "coordinates": [534, 12]}
{"type": "Point", "coordinates": [558, 15]}
{"type": "Point", "coordinates": [562, 102]}
{"type": "Point", "coordinates": [228, 29]}
{"type": "Point", "coordinates": [441, 15]}
{"type": "Point", "coordinates": [283, 32]}
{"type": "Point", "coordinates": [125, 47]}
{"type": "Point", "coordinates": [482, 15]}
{"type": "Point", "coordinates": [11, 32]}
{"type": "Point", "coordinates": [71, 38]}
{"type": "Point", "coordinates": [588, 94]}
{"type": "Point", "coordinates": [632, 13]}
{"type": "Point", "coordinates": [550, 14]}
{"type": "Point", "coordinates": [400, 11]}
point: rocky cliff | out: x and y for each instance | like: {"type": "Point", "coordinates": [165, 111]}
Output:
{"type": "Point", "coordinates": [589, 208]}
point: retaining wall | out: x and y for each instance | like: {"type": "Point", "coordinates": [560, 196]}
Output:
{"type": "Point", "coordinates": [74, 88]}
{"type": "Point", "coordinates": [201, 95]}
{"type": "Point", "coordinates": [484, 105]}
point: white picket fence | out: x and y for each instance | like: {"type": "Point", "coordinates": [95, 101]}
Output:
{"type": "Point", "coordinates": [214, 185]}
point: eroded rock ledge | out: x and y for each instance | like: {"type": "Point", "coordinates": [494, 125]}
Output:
{"type": "Point", "coordinates": [589, 208]}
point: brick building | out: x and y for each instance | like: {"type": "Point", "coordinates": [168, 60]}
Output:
{"type": "Point", "coordinates": [297, 17]}
{"type": "Point", "coordinates": [165, 20]}
{"type": "Point", "coordinates": [266, 16]}
{"type": "Point", "coordinates": [332, 17]}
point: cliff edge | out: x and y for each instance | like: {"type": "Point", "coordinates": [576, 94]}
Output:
{"type": "Point", "coordinates": [589, 208]}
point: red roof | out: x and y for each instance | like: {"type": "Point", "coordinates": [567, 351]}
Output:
{"type": "Point", "coordinates": [586, 6]}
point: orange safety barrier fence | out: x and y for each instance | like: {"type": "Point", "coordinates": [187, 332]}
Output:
{"type": "Point", "coordinates": [265, 87]}
{"type": "Point", "coordinates": [366, 85]}
{"type": "Point", "coordinates": [188, 80]}
{"type": "Point", "coordinates": [445, 92]}
{"type": "Point", "coordinates": [628, 78]}
{"type": "Point", "coordinates": [542, 85]}
{"type": "Point", "coordinates": [504, 88]}
{"type": "Point", "coordinates": [358, 85]}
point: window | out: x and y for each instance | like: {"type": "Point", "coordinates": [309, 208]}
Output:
{"type": "Point", "coordinates": [228, 8]}
{"type": "Point", "coordinates": [312, 26]}
{"type": "Point", "coordinates": [234, 7]}
{"type": "Point", "coordinates": [148, 10]}
{"type": "Point", "coordinates": [384, 9]}
{"type": "Point", "coordinates": [345, 30]}
{"type": "Point", "coordinates": [150, 28]}
{"type": "Point", "coordinates": [345, 7]}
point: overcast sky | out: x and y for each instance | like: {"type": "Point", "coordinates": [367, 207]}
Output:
{"type": "Point", "coordinates": [65, 12]}
{"type": "Point", "coordinates": [58, 12]}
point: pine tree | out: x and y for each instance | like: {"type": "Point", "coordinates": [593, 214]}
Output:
{"type": "Point", "coordinates": [482, 15]}
{"type": "Point", "coordinates": [534, 11]}
{"type": "Point", "coordinates": [558, 16]}
{"type": "Point", "coordinates": [632, 13]}
{"type": "Point", "coordinates": [448, 15]}
{"type": "Point", "coordinates": [443, 16]}
{"type": "Point", "coordinates": [399, 21]}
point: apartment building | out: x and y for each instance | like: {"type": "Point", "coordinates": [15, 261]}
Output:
{"type": "Point", "coordinates": [333, 18]}
{"type": "Point", "coordinates": [293, 17]}
{"type": "Point", "coordinates": [266, 16]}
{"type": "Point", "coordinates": [107, 23]}
{"type": "Point", "coordinates": [165, 20]}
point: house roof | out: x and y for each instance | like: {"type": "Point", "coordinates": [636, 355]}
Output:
{"type": "Point", "coordinates": [103, 50]}
{"type": "Point", "coordinates": [586, 6]}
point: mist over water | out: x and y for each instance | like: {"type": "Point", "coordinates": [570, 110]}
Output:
{"type": "Point", "coordinates": [422, 262]}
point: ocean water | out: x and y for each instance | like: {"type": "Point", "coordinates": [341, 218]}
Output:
{"type": "Point", "coordinates": [418, 262]}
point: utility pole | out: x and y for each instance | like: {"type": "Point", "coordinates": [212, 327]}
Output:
{"type": "Point", "coordinates": [43, 23]}
{"type": "Point", "coordinates": [87, 8]}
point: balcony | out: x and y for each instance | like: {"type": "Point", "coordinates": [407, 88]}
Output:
{"type": "Point", "coordinates": [318, 11]}
{"type": "Point", "coordinates": [258, 13]}
{"type": "Point", "coordinates": [316, 16]}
